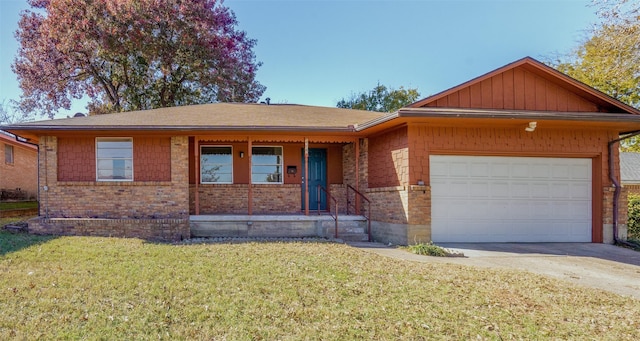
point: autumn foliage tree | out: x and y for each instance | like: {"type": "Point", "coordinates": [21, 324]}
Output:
{"type": "Point", "coordinates": [609, 58]}
{"type": "Point", "coordinates": [132, 55]}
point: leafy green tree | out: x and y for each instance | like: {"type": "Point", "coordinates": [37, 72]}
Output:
{"type": "Point", "coordinates": [132, 55]}
{"type": "Point", "coordinates": [380, 99]}
{"type": "Point", "coordinates": [609, 58]}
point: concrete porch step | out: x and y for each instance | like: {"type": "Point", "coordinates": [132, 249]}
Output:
{"type": "Point", "coordinates": [352, 227]}
{"type": "Point", "coordinates": [354, 237]}
{"type": "Point", "coordinates": [348, 230]}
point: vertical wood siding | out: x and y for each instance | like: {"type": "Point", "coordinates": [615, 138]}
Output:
{"type": "Point", "coordinates": [516, 89]}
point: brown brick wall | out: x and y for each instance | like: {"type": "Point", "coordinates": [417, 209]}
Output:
{"type": "Point", "coordinates": [135, 200]}
{"type": "Point", "coordinates": [152, 159]}
{"type": "Point", "coordinates": [607, 218]}
{"type": "Point", "coordinates": [270, 199]}
{"type": "Point", "coordinates": [632, 189]}
{"type": "Point", "coordinates": [77, 158]}
{"type": "Point", "coordinates": [152, 229]}
{"type": "Point", "coordinates": [400, 158]}
{"type": "Point", "coordinates": [234, 199]}
{"type": "Point", "coordinates": [221, 199]}
{"type": "Point", "coordinates": [389, 204]}
{"type": "Point", "coordinates": [292, 156]}
{"type": "Point", "coordinates": [349, 173]}
{"type": "Point", "coordinates": [23, 172]}
{"type": "Point", "coordinates": [389, 159]}
{"type": "Point", "coordinates": [425, 140]}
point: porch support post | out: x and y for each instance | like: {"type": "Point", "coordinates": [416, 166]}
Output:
{"type": "Point", "coordinates": [250, 189]}
{"type": "Point", "coordinates": [196, 153]}
{"type": "Point", "coordinates": [306, 176]}
{"type": "Point", "coordinates": [357, 186]}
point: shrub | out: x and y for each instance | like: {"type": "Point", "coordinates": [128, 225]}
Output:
{"type": "Point", "coordinates": [427, 249]}
{"type": "Point", "coordinates": [633, 225]}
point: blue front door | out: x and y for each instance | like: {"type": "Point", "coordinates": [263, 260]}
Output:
{"type": "Point", "coordinates": [317, 176]}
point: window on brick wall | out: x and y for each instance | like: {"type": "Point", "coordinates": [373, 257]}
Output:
{"type": "Point", "coordinates": [8, 154]}
{"type": "Point", "coordinates": [216, 164]}
{"type": "Point", "coordinates": [266, 165]}
{"type": "Point", "coordinates": [114, 159]}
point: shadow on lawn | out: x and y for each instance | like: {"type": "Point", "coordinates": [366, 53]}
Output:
{"type": "Point", "coordinates": [16, 241]}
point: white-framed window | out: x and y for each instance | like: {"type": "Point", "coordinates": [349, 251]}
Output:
{"type": "Point", "coordinates": [266, 165]}
{"type": "Point", "coordinates": [216, 164]}
{"type": "Point", "coordinates": [114, 159]}
{"type": "Point", "coordinates": [8, 154]}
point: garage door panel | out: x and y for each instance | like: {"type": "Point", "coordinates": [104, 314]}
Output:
{"type": "Point", "coordinates": [459, 169]}
{"type": "Point", "coordinates": [519, 189]}
{"type": "Point", "coordinates": [481, 170]}
{"type": "Point", "coordinates": [520, 170]}
{"type": "Point", "coordinates": [458, 189]}
{"type": "Point", "coordinates": [561, 172]}
{"type": "Point", "coordinates": [540, 190]}
{"type": "Point", "coordinates": [580, 191]}
{"type": "Point", "coordinates": [560, 191]}
{"type": "Point", "coordinates": [499, 169]}
{"type": "Point", "coordinates": [439, 170]}
{"type": "Point", "coordinates": [499, 189]}
{"type": "Point", "coordinates": [540, 172]}
{"type": "Point", "coordinates": [580, 171]}
{"type": "Point", "coordinates": [520, 200]}
{"type": "Point", "coordinates": [478, 189]}
{"type": "Point", "coordinates": [520, 210]}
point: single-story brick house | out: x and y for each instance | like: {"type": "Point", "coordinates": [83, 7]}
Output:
{"type": "Point", "coordinates": [18, 169]}
{"type": "Point", "coordinates": [520, 154]}
{"type": "Point", "coordinates": [630, 171]}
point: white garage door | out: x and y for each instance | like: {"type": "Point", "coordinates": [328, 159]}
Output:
{"type": "Point", "coordinates": [510, 199]}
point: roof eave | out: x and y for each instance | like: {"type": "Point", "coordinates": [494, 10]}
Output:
{"type": "Point", "coordinates": [178, 128]}
{"type": "Point", "coordinates": [377, 121]}
{"type": "Point", "coordinates": [547, 115]}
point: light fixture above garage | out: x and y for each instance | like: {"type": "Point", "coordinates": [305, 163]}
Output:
{"type": "Point", "coordinates": [532, 126]}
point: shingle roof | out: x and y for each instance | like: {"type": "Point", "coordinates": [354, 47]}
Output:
{"type": "Point", "coordinates": [227, 116]}
{"type": "Point", "coordinates": [630, 167]}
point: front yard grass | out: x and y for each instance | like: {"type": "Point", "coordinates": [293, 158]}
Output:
{"type": "Point", "coordinates": [109, 288]}
{"type": "Point", "coordinates": [5, 206]}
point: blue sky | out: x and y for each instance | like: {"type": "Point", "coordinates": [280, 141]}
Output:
{"type": "Point", "coordinates": [316, 52]}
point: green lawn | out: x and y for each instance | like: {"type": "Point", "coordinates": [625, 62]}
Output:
{"type": "Point", "coordinates": [108, 288]}
{"type": "Point", "coordinates": [4, 206]}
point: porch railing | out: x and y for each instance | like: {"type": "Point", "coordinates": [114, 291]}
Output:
{"type": "Point", "coordinates": [330, 200]}
{"type": "Point", "coordinates": [367, 214]}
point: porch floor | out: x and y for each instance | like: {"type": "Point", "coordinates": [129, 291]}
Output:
{"type": "Point", "coordinates": [273, 217]}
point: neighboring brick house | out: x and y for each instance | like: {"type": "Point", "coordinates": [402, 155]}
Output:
{"type": "Point", "coordinates": [522, 154]}
{"type": "Point", "coordinates": [630, 171]}
{"type": "Point", "coordinates": [18, 169]}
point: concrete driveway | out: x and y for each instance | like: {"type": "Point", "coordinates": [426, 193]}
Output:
{"type": "Point", "coordinates": [602, 266]}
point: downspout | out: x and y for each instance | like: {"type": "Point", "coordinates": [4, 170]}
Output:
{"type": "Point", "coordinates": [616, 184]}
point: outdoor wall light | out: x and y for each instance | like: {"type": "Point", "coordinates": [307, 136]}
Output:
{"type": "Point", "coordinates": [532, 126]}
{"type": "Point", "coordinates": [241, 155]}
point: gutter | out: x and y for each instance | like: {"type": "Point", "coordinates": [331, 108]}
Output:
{"type": "Point", "coordinates": [379, 120]}
{"type": "Point", "coordinates": [182, 128]}
{"type": "Point", "coordinates": [26, 140]}
{"type": "Point", "coordinates": [617, 186]}
{"type": "Point", "coordinates": [435, 112]}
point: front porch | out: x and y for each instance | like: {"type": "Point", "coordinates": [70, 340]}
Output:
{"type": "Point", "coordinates": [347, 227]}
{"type": "Point", "coordinates": [272, 175]}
